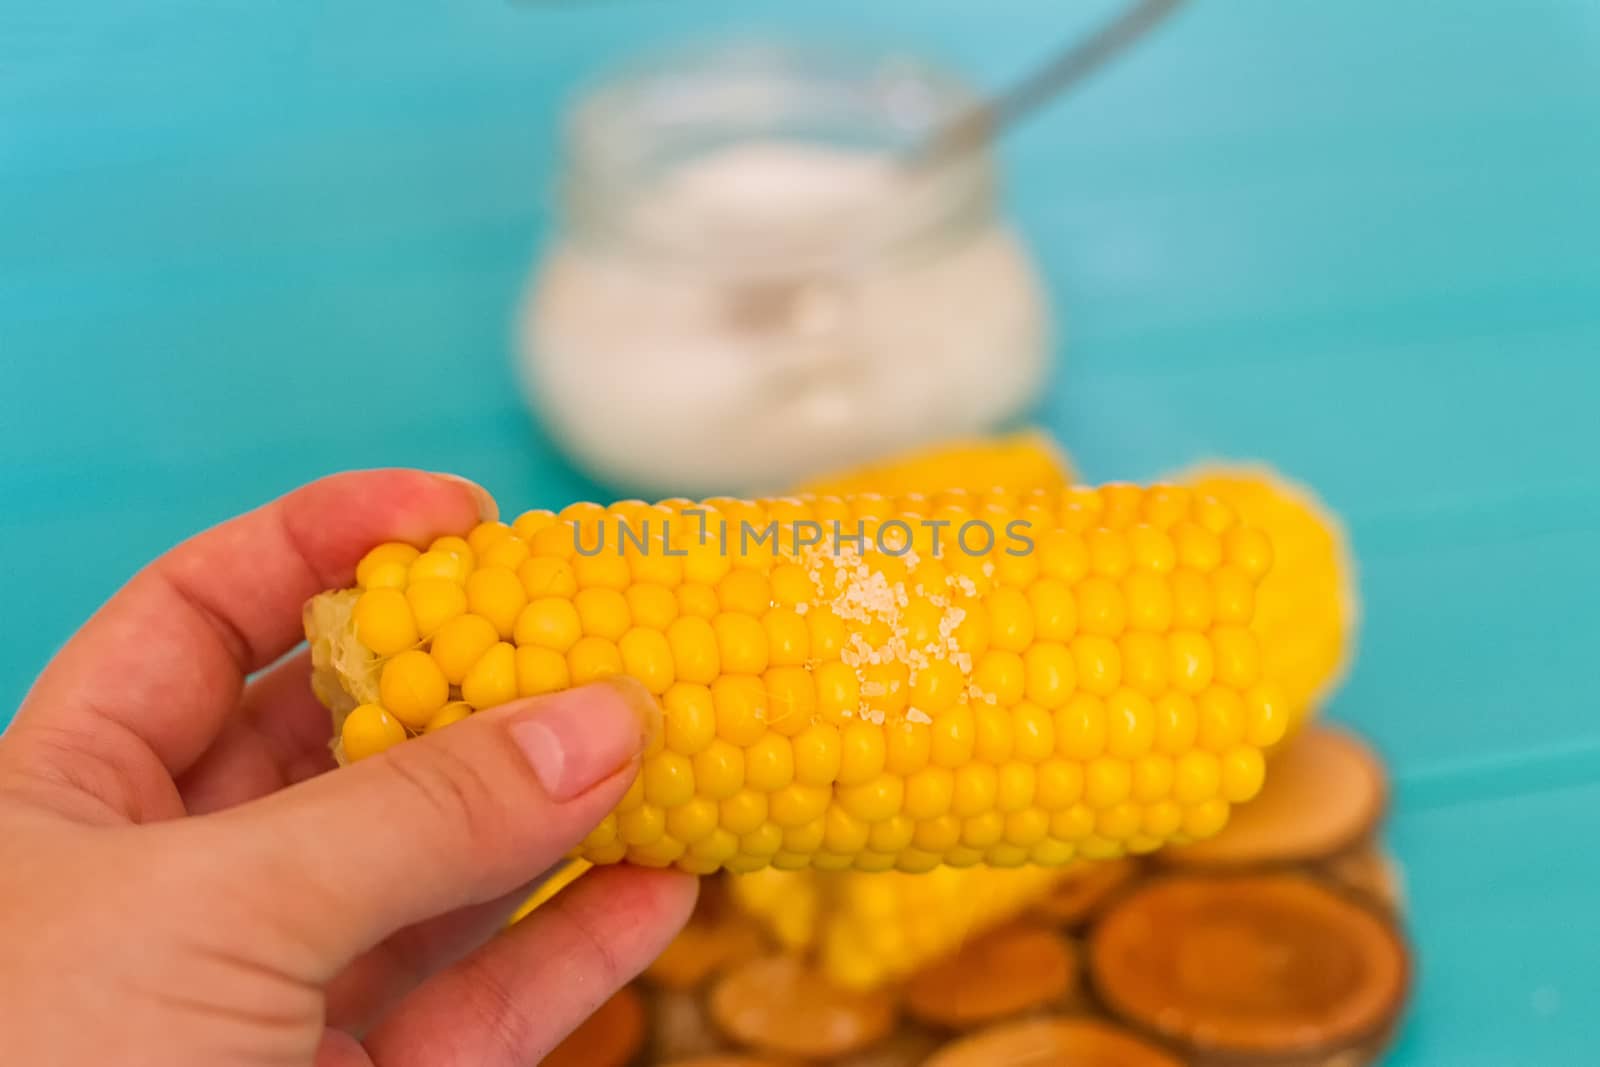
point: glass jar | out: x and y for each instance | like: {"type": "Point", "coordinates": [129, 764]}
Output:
{"type": "Point", "coordinates": [748, 287]}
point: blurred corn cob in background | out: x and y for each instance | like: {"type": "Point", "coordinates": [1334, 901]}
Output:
{"type": "Point", "coordinates": [864, 929]}
{"type": "Point", "coordinates": [1018, 462]}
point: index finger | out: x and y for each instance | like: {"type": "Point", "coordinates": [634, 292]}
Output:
{"type": "Point", "coordinates": [154, 674]}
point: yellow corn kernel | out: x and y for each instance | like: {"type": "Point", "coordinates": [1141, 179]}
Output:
{"type": "Point", "coordinates": [769, 763]}
{"type": "Point", "coordinates": [817, 755]}
{"type": "Point", "coordinates": [741, 643]}
{"type": "Point", "coordinates": [697, 600]}
{"type": "Point", "coordinates": [493, 679]}
{"type": "Point", "coordinates": [460, 644]}
{"type": "Point", "coordinates": [719, 769]}
{"type": "Point", "coordinates": [796, 805]}
{"type": "Point", "coordinates": [434, 602]}
{"type": "Point", "coordinates": [549, 622]}
{"type": "Point", "coordinates": [695, 820]}
{"type": "Point", "coordinates": [741, 706]}
{"type": "Point", "coordinates": [1197, 777]}
{"type": "Point", "coordinates": [744, 591]}
{"type": "Point", "coordinates": [368, 730]}
{"type": "Point", "coordinates": [907, 748]}
{"type": "Point", "coordinates": [496, 594]}
{"type": "Point", "coordinates": [838, 691]}
{"type": "Point", "coordinates": [558, 540]}
{"type": "Point", "coordinates": [954, 737]}
{"type": "Point", "coordinates": [1051, 671]}
{"type": "Point", "coordinates": [510, 553]}
{"type": "Point", "coordinates": [593, 658]}
{"type": "Point", "coordinates": [448, 715]}
{"type": "Point", "coordinates": [668, 780]}
{"type": "Point", "coordinates": [452, 545]}
{"type": "Point", "coordinates": [606, 570]}
{"type": "Point", "coordinates": [788, 638]}
{"type": "Point", "coordinates": [791, 585]}
{"type": "Point", "coordinates": [384, 556]}
{"type": "Point", "coordinates": [1177, 723]}
{"type": "Point", "coordinates": [1243, 772]}
{"type": "Point", "coordinates": [530, 523]}
{"type": "Point", "coordinates": [791, 699]}
{"type": "Point", "coordinates": [486, 534]}
{"type": "Point", "coordinates": [413, 688]}
{"type": "Point", "coordinates": [648, 657]}
{"type": "Point", "coordinates": [693, 642]}
{"type": "Point", "coordinates": [651, 606]}
{"type": "Point", "coordinates": [742, 813]}
{"type": "Point", "coordinates": [387, 576]}
{"type": "Point", "coordinates": [384, 623]}
{"type": "Point", "coordinates": [547, 576]}
{"type": "Point", "coordinates": [1143, 658]}
{"type": "Point", "coordinates": [689, 718]}
{"type": "Point", "coordinates": [436, 564]}
{"type": "Point", "coordinates": [540, 670]}
{"type": "Point", "coordinates": [603, 612]}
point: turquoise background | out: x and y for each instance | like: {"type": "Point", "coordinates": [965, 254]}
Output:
{"type": "Point", "coordinates": [243, 244]}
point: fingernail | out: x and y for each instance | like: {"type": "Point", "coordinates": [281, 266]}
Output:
{"type": "Point", "coordinates": [646, 709]}
{"type": "Point", "coordinates": [576, 739]}
{"type": "Point", "coordinates": [488, 510]}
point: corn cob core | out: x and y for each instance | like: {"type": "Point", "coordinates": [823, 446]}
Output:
{"type": "Point", "coordinates": [961, 678]}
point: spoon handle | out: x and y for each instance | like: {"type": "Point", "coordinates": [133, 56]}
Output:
{"type": "Point", "coordinates": [982, 123]}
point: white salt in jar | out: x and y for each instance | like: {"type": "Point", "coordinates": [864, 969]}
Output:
{"type": "Point", "coordinates": [748, 287]}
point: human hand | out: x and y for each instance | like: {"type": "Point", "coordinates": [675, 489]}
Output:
{"type": "Point", "coordinates": [182, 883]}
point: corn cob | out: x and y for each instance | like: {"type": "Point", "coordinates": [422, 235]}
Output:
{"type": "Point", "coordinates": [1075, 678]}
{"type": "Point", "coordinates": [1020, 462]}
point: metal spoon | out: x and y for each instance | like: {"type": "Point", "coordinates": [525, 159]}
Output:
{"type": "Point", "coordinates": [986, 121]}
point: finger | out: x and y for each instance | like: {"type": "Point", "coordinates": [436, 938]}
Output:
{"type": "Point", "coordinates": [512, 1001]}
{"type": "Point", "coordinates": [339, 1049]}
{"type": "Point", "coordinates": [397, 965]}
{"type": "Point", "coordinates": [279, 737]}
{"type": "Point", "coordinates": [442, 822]}
{"type": "Point", "coordinates": [161, 665]}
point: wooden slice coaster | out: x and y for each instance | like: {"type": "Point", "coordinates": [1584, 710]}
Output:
{"type": "Point", "coordinates": [1369, 870]}
{"type": "Point", "coordinates": [777, 1005]}
{"type": "Point", "coordinates": [909, 1047]}
{"type": "Point", "coordinates": [1323, 793]}
{"type": "Point", "coordinates": [1249, 965]}
{"type": "Point", "coordinates": [1054, 1042]}
{"type": "Point", "coordinates": [1074, 899]}
{"type": "Point", "coordinates": [680, 1028]}
{"type": "Point", "coordinates": [611, 1037]}
{"type": "Point", "coordinates": [1000, 974]}
{"type": "Point", "coordinates": [705, 946]}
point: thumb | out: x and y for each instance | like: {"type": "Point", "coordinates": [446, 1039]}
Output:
{"type": "Point", "coordinates": [441, 822]}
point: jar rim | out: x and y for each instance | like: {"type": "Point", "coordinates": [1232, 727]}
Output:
{"type": "Point", "coordinates": [651, 115]}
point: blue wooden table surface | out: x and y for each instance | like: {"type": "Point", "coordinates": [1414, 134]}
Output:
{"type": "Point", "coordinates": [244, 244]}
